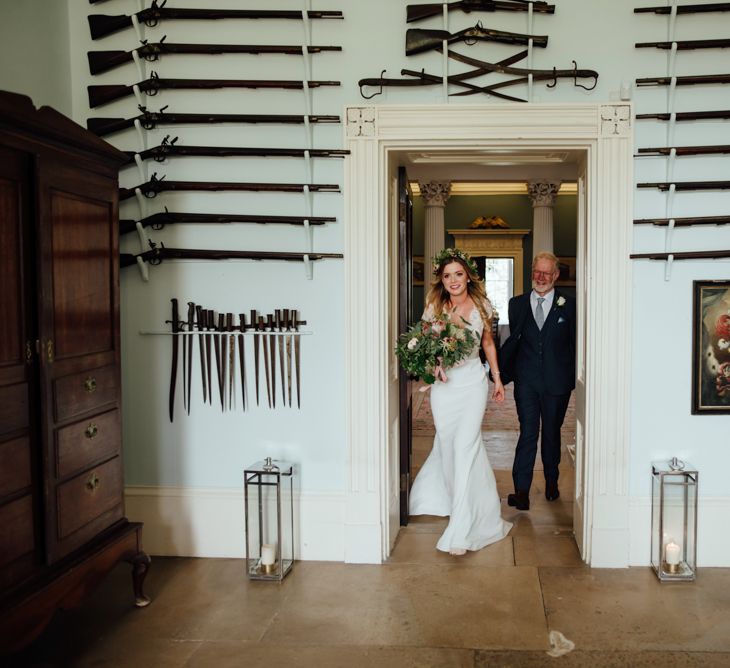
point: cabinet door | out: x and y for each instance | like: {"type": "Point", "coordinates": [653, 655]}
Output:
{"type": "Point", "coordinates": [79, 331]}
{"type": "Point", "coordinates": [19, 510]}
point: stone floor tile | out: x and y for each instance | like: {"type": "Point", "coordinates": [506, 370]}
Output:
{"type": "Point", "coordinates": [231, 654]}
{"type": "Point", "coordinates": [629, 609]}
{"type": "Point", "coordinates": [602, 659]}
{"type": "Point", "coordinates": [420, 548]}
{"type": "Point", "coordinates": [546, 549]}
{"type": "Point", "coordinates": [412, 605]}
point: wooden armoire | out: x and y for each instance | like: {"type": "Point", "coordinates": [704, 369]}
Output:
{"type": "Point", "coordinates": [62, 524]}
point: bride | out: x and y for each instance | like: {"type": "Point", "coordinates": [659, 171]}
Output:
{"type": "Point", "coordinates": [457, 480]}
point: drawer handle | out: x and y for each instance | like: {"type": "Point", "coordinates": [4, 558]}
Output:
{"type": "Point", "coordinates": [91, 431]}
{"type": "Point", "coordinates": [90, 384]}
{"type": "Point", "coordinates": [92, 483]}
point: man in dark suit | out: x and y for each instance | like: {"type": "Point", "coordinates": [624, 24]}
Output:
{"type": "Point", "coordinates": [543, 370]}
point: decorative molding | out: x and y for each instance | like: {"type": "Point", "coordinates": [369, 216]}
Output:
{"type": "Point", "coordinates": [361, 122]}
{"type": "Point", "coordinates": [435, 193]}
{"type": "Point", "coordinates": [542, 193]}
{"type": "Point", "coordinates": [607, 270]}
{"type": "Point", "coordinates": [615, 120]}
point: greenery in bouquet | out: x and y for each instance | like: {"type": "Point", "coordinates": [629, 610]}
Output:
{"type": "Point", "coordinates": [435, 342]}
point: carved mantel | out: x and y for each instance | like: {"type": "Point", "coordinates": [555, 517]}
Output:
{"type": "Point", "coordinates": [495, 243]}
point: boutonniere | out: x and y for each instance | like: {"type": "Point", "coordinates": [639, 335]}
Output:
{"type": "Point", "coordinates": [561, 301]}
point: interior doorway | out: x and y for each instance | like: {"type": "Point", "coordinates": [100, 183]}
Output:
{"type": "Point", "coordinates": [502, 250]}
{"type": "Point", "coordinates": [376, 136]}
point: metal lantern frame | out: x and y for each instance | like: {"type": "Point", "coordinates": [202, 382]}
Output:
{"type": "Point", "coordinates": [263, 474]}
{"type": "Point", "coordinates": [667, 479]}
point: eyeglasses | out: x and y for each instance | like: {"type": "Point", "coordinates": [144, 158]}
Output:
{"type": "Point", "coordinates": [542, 274]}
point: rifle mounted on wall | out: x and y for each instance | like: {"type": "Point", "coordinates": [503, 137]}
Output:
{"type": "Point", "coordinates": [149, 120]}
{"type": "Point", "coordinates": [684, 150]}
{"type": "Point", "coordinates": [169, 148]}
{"type": "Point", "coordinates": [691, 80]}
{"type": "Point", "coordinates": [686, 45]}
{"type": "Point", "coordinates": [686, 255]}
{"type": "Point", "coordinates": [424, 11]}
{"type": "Point", "coordinates": [686, 9]}
{"type": "Point", "coordinates": [158, 185]}
{"type": "Point", "coordinates": [100, 95]}
{"type": "Point", "coordinates": [102, 25]}
{"type": "Point", "coordinates": [103, 61]}
{"type": "Point", "coordinates": [157, 221]}
{"type": "Point", "coordinates": [684, 222]}
{"type": "Point", "coordinates": [157, 254]}
{"type": "Point", "coordinates": [680, 186]}
{"type": "Point", "coordinates": [419, 40]}
{"type": "Point", "coordinates": [718, 115]}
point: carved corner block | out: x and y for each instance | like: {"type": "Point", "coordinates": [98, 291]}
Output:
{"type": "Point", "coordinates": [361, 122]}
{"type": "Point", "coordinates": [615, 120]}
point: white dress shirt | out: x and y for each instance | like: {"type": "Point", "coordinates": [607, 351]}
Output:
{"type": "Point", "coordinates": [546, 305]}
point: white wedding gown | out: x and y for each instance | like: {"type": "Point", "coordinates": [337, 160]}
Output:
{"type": "Point", "coordinates": [456, 479]}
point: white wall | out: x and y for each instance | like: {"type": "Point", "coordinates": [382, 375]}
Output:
{"type": "Point", "coordinates": [35, 51]}
{"type": "Point", "coordinates": [207, 449]}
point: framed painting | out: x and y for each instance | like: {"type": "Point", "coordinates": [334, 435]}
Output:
{"type": "Point", "coordinates": [418, 269]}
{"type": "Point", "coordinates": [711, 348]}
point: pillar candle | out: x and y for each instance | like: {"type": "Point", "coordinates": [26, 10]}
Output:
{"type": "Point", "coordinates": [268, 554]}
{"type": "Point", "coordinates": [671, 553]}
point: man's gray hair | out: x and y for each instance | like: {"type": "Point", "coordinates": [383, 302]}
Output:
{"type": "Point", "coordinates": [546, 255]}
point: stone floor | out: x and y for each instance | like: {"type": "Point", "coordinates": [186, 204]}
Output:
{"type": "Point", "coordinates": [494, 608]}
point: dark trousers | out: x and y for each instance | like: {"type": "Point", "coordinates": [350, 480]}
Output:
{"type": "Point", "coordinates": [536, 406]}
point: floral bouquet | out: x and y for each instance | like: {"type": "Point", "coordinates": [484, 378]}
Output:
{"type": "Point", "coordinates": [438, 342]}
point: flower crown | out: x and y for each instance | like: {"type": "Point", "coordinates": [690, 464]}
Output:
{"type": "Point", "coordinates": [450, 253]}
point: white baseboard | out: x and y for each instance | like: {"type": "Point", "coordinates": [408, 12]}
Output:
{"type": "Point", "coordinates": [200, 522]}
{"type": "Point", "coordinates": [712, 542]}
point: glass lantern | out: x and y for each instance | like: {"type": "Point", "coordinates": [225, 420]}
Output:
{"type": "Point", "coordinates": [674, 520]}
{"type": "Point", "coordinates": [269, 519]}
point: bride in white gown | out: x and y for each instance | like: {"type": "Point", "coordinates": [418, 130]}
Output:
{"type": "Point", "coordinates": [457, 480]}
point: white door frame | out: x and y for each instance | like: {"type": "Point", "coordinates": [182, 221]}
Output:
{"type": "Point", "coordinates": [373, 134]}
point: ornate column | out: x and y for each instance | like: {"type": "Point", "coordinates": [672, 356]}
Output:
{"type": "Point", "coordinates": [435, 194]}
{"type": "Point", "coordinates": [542, 194]}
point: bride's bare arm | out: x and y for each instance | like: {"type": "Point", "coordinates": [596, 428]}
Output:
{"type": "Point", "coordinates": [490, 350]}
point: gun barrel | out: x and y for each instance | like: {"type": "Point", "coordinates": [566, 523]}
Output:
{"type": "Point", "coordinates": [685, 9]}
{"type": "Point", "coordinates": [720, 114]}
{"type": "Point", "coordinates": [685, 45]}
{"type": "Point", "coordinates": [685, 80]}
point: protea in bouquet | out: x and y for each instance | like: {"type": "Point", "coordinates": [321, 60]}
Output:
{"type": "Point", "coordinates": [433, 343]}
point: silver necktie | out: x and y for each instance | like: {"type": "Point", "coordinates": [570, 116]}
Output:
{"type": "Point", "coordinates": [539, 314]}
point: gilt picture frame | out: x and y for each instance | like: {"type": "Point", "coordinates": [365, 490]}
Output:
{"type": "Point", "coordinates": [711, 348]}
{"type": "Point", "coordinates": [418, 269]}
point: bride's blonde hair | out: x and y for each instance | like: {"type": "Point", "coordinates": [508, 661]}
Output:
{"type": "Point", "coordinates": [438, 295]}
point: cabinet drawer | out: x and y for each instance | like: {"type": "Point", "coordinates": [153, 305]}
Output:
{"type": "Point", "coordinates": [84, 391]}
{"type": "Point", "coordinates": [81, 444]}
{"type": "Point", "coordinates": [89, 495]}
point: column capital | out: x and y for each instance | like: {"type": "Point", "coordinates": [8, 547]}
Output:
{"type": "Point", "coordinates": [435, 193]}
{"type": "Point", "coordinates": [542, 193]}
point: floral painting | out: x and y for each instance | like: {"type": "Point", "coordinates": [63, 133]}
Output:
{"type": "Point", "coordinates": [711, 348]}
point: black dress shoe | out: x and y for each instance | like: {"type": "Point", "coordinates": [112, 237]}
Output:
{"type": "Point", "coordinates": [551, 491]}
{"type": "Point", "coordinates": [519, 500]}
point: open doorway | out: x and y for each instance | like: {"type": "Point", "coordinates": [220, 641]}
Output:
{"type": "Point", "coordinates": [493, 220]}
{"type": "Point", "coordinates": [377, 136]}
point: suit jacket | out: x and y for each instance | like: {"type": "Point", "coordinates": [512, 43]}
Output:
{"type": "Point", "coordinates": [544, 357]}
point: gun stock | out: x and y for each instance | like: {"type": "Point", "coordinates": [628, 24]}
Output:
{"type": "Point", "coordinates": [127, 260]}
{"type": "Point", "coordinates": [101, 95]}
{"type": "Point", "coordinates": [101, 25]}
{"type": "Point", "coordinates": [419, 12]}
{"type": "Point", "coordinates": [106, 126]}
{"type": "Point", "coordinates": [102, 61]}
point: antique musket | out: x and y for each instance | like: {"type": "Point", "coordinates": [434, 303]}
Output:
{"type": "Point", "coordinates": [687, 185]}
{"type": "Point", "coordinates": [170, 148]}
{"type": "Point", "coordinates": [102, 25]}
{"type": "Point", "coordinates": [155, 185]}
{"type": "Point", "coordinates": [686, 9]}
{"type": "Point", "coordinates": [158, 254]}
{"type": "Point", "coordinates": [687, 255]}
{"type": "Point", "coordinates": [103, 61]}
{"type": "Point", "coordinates": [419, 40]}
{"type": "Point", "coordinates": [687, 44]}
{"type": "Point", "coordinates": [690, 80]}
{"type": "Point", "coordinates": [720, 114]}
{"type": "Point", "coordinates": [685, 221]}
{"type": "Point", "coordinates": [149, 120]}
{"type": "Point", "coordinates": [424, 11]}
{"type": "Point", "coordinates": [157, 221]}
{"type": "Point", "coordinates": [683, 150]}
{"type": "Point", "coordinates": [101, 95]}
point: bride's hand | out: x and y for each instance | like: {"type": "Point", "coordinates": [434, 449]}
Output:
{"type": "Point", "coordinates": [498, 394]}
